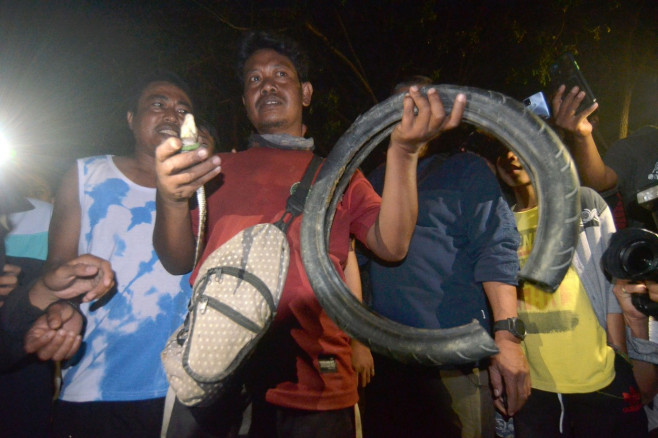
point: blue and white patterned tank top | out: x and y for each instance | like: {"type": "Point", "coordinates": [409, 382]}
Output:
{"type": "Point", "coordinates": [120, 356]}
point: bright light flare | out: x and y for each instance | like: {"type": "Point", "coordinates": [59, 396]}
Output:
{"type": "Point", "coordinates": [6, 151]}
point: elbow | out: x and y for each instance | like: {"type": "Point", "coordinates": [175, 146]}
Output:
{"type": "Point", "coordinates": [173, 264]}
{"type": "Point", "coordinates": [401, 253]}
{"type": "Point", "coordinates": [601, 186]}
{"type": "Point", "coordinates": [396, 254]}
{"type": "Point", "coordinates": [607, 181]}
{"type": "Point", "coordinates": [391, 250]}
{"type": "Point", "coordinates": [176, 269]}
{"type": "Point", "coordinates": [392, 245]}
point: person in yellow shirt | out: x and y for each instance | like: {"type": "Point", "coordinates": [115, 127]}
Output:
{"type": "Point", "coordinates": [580, 386]}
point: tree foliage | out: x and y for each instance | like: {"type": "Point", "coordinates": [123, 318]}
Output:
{"type": "Point", "coordinates": [75, 60]}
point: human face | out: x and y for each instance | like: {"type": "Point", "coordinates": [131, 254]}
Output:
{"type": "Point", "coordinates": [161, 109]}
{"type": "Point", "coordinates": [511, 170]}
{"type": "Point", "coordinates": [273, 95]}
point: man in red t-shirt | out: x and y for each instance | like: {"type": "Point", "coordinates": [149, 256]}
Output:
{"type": "Point", "coordinates": [305, 385]}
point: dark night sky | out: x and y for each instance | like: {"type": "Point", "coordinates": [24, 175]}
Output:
{"type": "Point", "coordinates": [65, 65]}
{"type": "Point", "coordinates": [64, 69]}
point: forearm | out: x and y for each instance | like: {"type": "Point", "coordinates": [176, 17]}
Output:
{"type": "Point", "coordinates": [389, 238]}
{"type": "Point", "coordinates": [353, 275]}
{"type": "Point", "coordinates": [591, 169]}
{"type": "Point", "coordinates": [646, 376]}
{"type": "Point", "coordinates": [616, 333]}
{"type": "Point", "coordinates": [41, 296]}
{"type": "Point", "coordinates": [502, 299]}
{"type": "Point", "coordinates": [509, 370]}
{"type": "Point", "coordinates": [645, 373]}
{"type": "Point", "coordinates": [173, 238]}
{"type": "Point", "coordinates": [639, 327]}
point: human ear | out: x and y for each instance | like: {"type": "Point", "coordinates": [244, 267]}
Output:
{"type": "Point", "coordinates": [307, 93]}
{"type": "Point", "coordinates": [129, 118]}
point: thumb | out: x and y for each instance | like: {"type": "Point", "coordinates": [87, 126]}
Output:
{"type": "Point", "coordinates": [169, 148]}
{"type": "Point", "coordinates": [58, 314]}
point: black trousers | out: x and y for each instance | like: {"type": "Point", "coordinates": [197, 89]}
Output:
{"type": "Point", "coordinates": [133, 419]}
{"type": "Point", "coordinates": [614, 411]}
{"type": "Point", "coordinates": [269, 421]}
{"type": "Point", "coordinates": [222, 419]}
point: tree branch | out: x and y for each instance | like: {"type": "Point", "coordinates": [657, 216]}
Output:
{"type": "Point", "coordinates": [349, 44]}
{"type": "Point", "coordinates": [349, 63]}
{"type": "Point", "coordinates": [220, 18]}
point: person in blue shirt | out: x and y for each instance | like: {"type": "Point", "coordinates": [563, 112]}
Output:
{"type": "Point", "coordinates": [462, 265]}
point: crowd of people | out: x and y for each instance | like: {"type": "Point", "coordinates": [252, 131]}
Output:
{"type": "Point", "coordinates": [89, 297]}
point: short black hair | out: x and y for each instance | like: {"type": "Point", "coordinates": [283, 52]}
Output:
{"type": "Point", "coordinates": [156, 76]}
{"type": "Point", "coordinates": [256, 40]}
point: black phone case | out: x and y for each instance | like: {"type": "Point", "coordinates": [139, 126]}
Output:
{"type": "Point", "coordinates": [566, 71]}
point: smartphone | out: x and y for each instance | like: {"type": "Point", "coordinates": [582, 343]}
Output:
{"type": "Point", "coordinates": [566, 71]}
{"type": "Point", "coordinates": [537, 104]}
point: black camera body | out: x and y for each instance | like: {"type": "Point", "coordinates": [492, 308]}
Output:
{"type": "Point", "coordinates": [633, 255]}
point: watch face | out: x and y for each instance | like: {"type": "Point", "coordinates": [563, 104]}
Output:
{"type": "Point", "coordinates": [515, 326]}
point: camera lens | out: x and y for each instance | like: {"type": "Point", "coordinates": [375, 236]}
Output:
{"type": "Point", "coordinates": [638, 258]}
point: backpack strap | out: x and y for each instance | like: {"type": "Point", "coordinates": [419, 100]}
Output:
{"type": "Point", "coordinates": [297, 199]}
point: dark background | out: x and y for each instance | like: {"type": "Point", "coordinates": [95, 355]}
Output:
{"type": "Point", "coordinates": [66, 66]}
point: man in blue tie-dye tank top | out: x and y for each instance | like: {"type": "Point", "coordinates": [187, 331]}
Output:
{"type": "Point", "coordinates": [115, 385]}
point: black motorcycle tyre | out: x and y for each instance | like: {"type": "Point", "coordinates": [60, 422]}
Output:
{"type": "Point", "coordinates": [552, 173]}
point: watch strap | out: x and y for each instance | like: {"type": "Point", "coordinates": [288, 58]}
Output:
{"type": "Point", "coordinates": [510, 325]}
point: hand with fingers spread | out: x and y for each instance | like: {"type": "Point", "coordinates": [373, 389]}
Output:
{"type": "Point", "coordinates": [390, 238]}
{"type": "Point", "coordinates": [565, 115]}
{"type": "Point", "coordinates": [179, 175]}
{"type": "Point", "coordinates": [593, 172]}
{"type": "Point", "coordinates": [417, 129]}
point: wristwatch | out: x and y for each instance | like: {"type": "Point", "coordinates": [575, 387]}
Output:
{"type": "Point", "coordinates": [513, 325]}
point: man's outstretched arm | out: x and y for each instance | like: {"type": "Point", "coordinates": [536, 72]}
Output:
{"type": "Point", "coordinates": [592, 171]}
{"type": "Point", "coordinates": [390, 236]}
